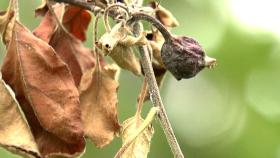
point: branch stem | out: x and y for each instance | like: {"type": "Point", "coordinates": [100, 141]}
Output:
{"type": "Point", "coordinates": [93, 7]}
{"type": "Point", "coordinates": [141, 98]}
{"type": "Point", "coordinates": [155, 96]}
{"type": "Point", "coordinates": [142, 16]}
{"type": "Point", "coordinates": [78, 3]}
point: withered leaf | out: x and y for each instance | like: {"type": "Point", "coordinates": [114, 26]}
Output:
{"type": "Point", "coordinates": [76, 21]}
{"type": "Point", "coordinates": [125, 58]}
{"type": "Point", "coordinates": [15, 134]}
{"type": "Point", "coordinates": [46, 92]}
{"type": "Point", "coordinates": [118, 45]}
{"type": "Point", "coordinates": [69, 48]}
{"type": "Point", "coordinates": [136, 136]}
{"type": "Point", "coordinates": [164, 15]}
{"type": "Point", "coordinates": [98, 95]}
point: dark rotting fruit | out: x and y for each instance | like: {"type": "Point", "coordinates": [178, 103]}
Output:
{"type": "Point", "coordinates": [184, 57]}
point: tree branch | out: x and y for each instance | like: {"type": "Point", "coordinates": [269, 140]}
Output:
{"type": "Point", "coordinates": [155, 96]}
{"type": "Point", "coordinates": [78, 3]}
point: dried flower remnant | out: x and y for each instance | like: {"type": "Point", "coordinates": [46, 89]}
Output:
{"type": "Point", "coordinates": [182, 55]}
{"type": "Point", "coordinates": [118, 45]}
{"type": "Point", "coordinates": [164, 15]}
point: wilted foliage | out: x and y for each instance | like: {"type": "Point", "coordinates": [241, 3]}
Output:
{"type": "Point", "coordinates": [62, 92]}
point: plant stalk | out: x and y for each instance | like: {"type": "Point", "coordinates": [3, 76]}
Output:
{"type": "Point", "coordinates": [155, 96]}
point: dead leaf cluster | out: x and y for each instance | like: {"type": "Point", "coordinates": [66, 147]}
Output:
{"type": "Point", "coordinates": [55, 92]}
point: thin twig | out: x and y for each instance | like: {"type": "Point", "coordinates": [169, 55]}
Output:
{"type": "Point", "coordinates": [78, 3]}
{"type": "Point", "coordinates": [16, 10]}
{"type": "Point", "coordinates": [106, 14]}
{"type": "Point", "coordinates": [142, 16]}
{"type": "Point", "coordinates": [155, 97]}
{"type": "Point", "coordinates": [141, 97]}
{"type": "Point", "coordinates": [95, 8]}
{"type": "Point", "coordinates": [95, 27]}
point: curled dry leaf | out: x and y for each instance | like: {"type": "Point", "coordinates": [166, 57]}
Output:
{"type": "Point", "coordinates": [136, 136]}
{"type": "Point", "coordinates": [69, 48]}
{"type": "Point", "coordinates": [156, 41]}
{"type": "Point", "coordinates": [98, 95]}
{"type": "Point", "coordinates": [15, 134]}
{"type": "Point", "coordinates": [76, 21]}
{"type": "Point", "coordinates": [118, 45]}
{"type": "Point", "coordinates": [46, 92]}
{"type": "Point", "coordinates": [164, 15]}
{"type": "Point", "coordinates": [125, 58]}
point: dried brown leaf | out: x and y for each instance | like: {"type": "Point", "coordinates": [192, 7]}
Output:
{"type": "Point", "coordinates": [48, 25]}
{"type": "Point", "coordinates": [139, 147]}
{"type": "Point", "coordinates": [76, 21]}
{"type": "Point", "coordinates": [99, 104]}
{"type": "Point", "coordinates": [46, 92]}
{"type": "Point", "coordinates": [69, 48]}
{"type": "Point", "coordinates": [125, 58]}
{"type": "Point", "coordinates": [73, 53]}
{"type": "Point", "coordinates": [164, 15]}
{"type": "Point", "coordinates": [15, 134]}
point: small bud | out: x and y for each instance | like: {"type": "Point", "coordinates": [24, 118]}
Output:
{"type": "Point", "coordinates": [184, 57]}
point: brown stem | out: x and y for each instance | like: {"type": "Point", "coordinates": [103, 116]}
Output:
{"type": "Point", "coordinates": [106, 14]}
{"type": "Point", "coordinates": [142, 16]}
{"type": "Point", "coordinates": [95, 27]}
{"type": "Point", "coordinates": [142, 97]}
{"type": "Point", "coordinates": [78, 3]}
{"type": "Point", "coordinates": [155, 96]}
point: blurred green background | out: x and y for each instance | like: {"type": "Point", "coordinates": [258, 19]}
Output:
{"type": "Point", "coordinates": [232, 111]}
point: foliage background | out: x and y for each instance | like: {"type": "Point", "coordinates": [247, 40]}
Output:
{"type": "Point", "coordinates": [230, 112]}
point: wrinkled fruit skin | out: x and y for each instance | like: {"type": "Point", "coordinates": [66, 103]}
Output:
{"type": "Point", "coordinates": [183, 57]}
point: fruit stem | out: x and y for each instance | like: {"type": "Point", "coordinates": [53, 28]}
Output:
{"type": "Point", "coordinates": [156, 23]}
{"type": "Point", "coordinates": [155, 95]}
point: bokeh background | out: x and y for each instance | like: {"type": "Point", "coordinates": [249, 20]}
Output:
{"type": "Point", "coordinates": [232, 111]}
